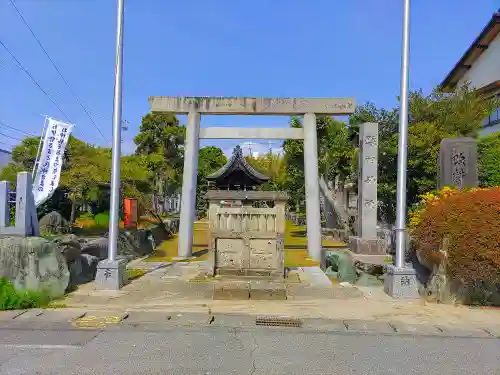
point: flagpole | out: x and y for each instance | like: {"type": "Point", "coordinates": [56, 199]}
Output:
{"type": "Point", "coordinates": [116, 151]}
{"type": "Point", "coordinates": [39, 147]}
{"type": "Point", "coordinates": [403, 143]}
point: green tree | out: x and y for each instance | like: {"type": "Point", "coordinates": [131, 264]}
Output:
{"type": "Point", "coordinates": [294, 161]}
{"type": "Point", "coordinates": [85, 172]}
{"type": "Point", "coordinates": [335, 150]}
{"type": "Point", "coordinates": [272, 166]}
{"type": "Point", "coordinates": [432, 117]}
{"type": "Point", "coordinates": [162, 138]}
{"type": "Point", "coordinates": [86, 175]}
{"type": "Point", "coordinates": [210, 159]}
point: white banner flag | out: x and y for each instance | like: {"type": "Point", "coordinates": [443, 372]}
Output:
{"type": "Point", "coordinates": [50, 161]}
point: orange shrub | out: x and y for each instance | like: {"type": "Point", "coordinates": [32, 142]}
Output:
{"type": "Point", "coordinates": [471, 221]}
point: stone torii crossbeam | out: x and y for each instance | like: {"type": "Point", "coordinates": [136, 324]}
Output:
{"type": "Point", "coordinates": [194, 107]}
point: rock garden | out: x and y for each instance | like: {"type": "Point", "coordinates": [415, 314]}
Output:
{"type": "Point", "coordinates": [65, 256]}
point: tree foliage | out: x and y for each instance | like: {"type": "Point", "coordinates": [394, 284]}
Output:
{"type": "Point", "coordinates": [210, 159]}
{"type": "Point", "coordinates": [162, 139]}
{"type": "Point", "coordinates": [432, 117]}
{"type": "Point", "coordinates": [294, 161]}
{"type": "Point", "coordinates": [272, 166]}
{"type": "Point", "coordinates": [85, 175]}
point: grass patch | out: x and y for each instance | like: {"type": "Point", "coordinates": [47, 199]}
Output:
{"type": "Point", "coordinates": [296, 237]}
{"type": "Point", "coordinates": [168, 248]}
{"type": "Point", "coordinates": [299, 258]}
{"type": "Point", "coordinates": [134, 273]}
{"type": "Point", "coordinates": [12, 299]}
{"type": "Point", "coordinates": [296, 254]}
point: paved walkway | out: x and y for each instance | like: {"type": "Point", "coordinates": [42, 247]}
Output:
{"type": "Point", "coordinates": [177, 289]}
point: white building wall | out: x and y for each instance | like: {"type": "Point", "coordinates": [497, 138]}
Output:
{"type": "Point", "coordinates": [486, 69]}
{"type": "Point", "coordinates": [489, 130]}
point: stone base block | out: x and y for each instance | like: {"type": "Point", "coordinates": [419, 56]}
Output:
{"type": "Point", "coordinates": [233, 290]}
{"type": "Point", "coordinates": [245, 272]}
{"type": "Point", "coordinates": [368, 246]}
{"type": "Point", "coordinates": [111, 275]}
{"type": "Point", "coordinates": [401, 283]}
{"type": "Point", "coordinates": [261, 290]}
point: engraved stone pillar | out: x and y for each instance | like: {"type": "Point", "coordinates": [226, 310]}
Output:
{"type": "Point", "coordinates": [26, 219]}
{"type": "Point", "coordinates": [366, 242]}
{"type": "Point", "coordinates": [458, 162]}
{"type": "Point", "coordinates": [4, 204]}
{"type": "Point", "coordinates": [367, 181]}
{"type": "Point", "coordinates": [313, 219]}
{"type": "Point", "coordinates": [188, 205]}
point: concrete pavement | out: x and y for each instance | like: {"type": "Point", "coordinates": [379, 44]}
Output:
{"type": "Point", "coordinates": [77, 319]}
{"type": "Point", "coordinates": [188, 344]}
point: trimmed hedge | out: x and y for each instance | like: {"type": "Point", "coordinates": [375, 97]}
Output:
{"type": "Point", "coordinates": [489, 160]}
{"type": "Point", "coordinates": [470, 220]}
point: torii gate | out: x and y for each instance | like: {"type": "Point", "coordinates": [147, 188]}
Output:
{"type": "Point", "coordinates": [194, 107]}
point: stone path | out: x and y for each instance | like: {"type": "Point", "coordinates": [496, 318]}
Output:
{"type": "Point", "coordinates": [175, 287]}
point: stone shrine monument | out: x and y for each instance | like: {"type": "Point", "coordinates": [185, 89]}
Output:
{"type": "Point", "coordinates": [246, 225]}
{"type": "Point", "coordinates": [458, 162]}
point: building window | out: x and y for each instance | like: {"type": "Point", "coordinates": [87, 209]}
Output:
{"type": "Point", "coordinates": [493, 118]}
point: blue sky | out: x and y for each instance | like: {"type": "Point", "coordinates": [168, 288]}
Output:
{"type": "Point", "coordinates": [314, 48]}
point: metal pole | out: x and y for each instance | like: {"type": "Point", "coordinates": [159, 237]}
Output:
{"type": "Point", "coordinates": [116, 152]}
{"type": "Point", "coordinates": [403, 142]}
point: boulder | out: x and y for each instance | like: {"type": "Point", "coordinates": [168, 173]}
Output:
{"type": "Point", "coordinates": [83, 269]}
{"type": "Point", "coordinates": [371, 268]}
{"type": "Point", "coordinates": [53, 222]}
{"type": "Point", "coordinates": [34, 263]}
{"type": "Point", "coordinates": [161, 233]}
{"type": "Point", "coordinates": [130, 245]}
{"type": "Point", "coordinates": [97, 247]}
{"type": "Point", "coordinates": [69, 246]}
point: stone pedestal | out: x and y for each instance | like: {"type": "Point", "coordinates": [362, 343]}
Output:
{"type": "Point", "coordinates": [401, 283]}
{"type": "Point", "coordinates": [376, 246]}
{"type": "Point", "coordinates": [111, 275]}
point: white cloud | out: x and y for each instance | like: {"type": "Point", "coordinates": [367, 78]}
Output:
{"type": "Point", "coordinates": [257, 149]}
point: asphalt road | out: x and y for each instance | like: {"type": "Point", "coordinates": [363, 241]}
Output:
{"type": "Point", "coordinates": [224, 350]}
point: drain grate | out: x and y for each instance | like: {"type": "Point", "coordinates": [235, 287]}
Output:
{"type": "Point", "coordinates": [276, 321]}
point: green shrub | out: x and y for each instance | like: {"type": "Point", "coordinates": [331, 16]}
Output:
{"type": "Point", "coordinates": [12, 299]}
{"type": "Point", "coordinates": [470, 222]}
{"type": "Point", "coordinates": [489, 160]}
{"type": "Point", "coordinates": [102, 220]}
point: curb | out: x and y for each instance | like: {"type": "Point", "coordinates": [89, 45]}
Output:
{"type": "Point", "coordinates": [70, 319]}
